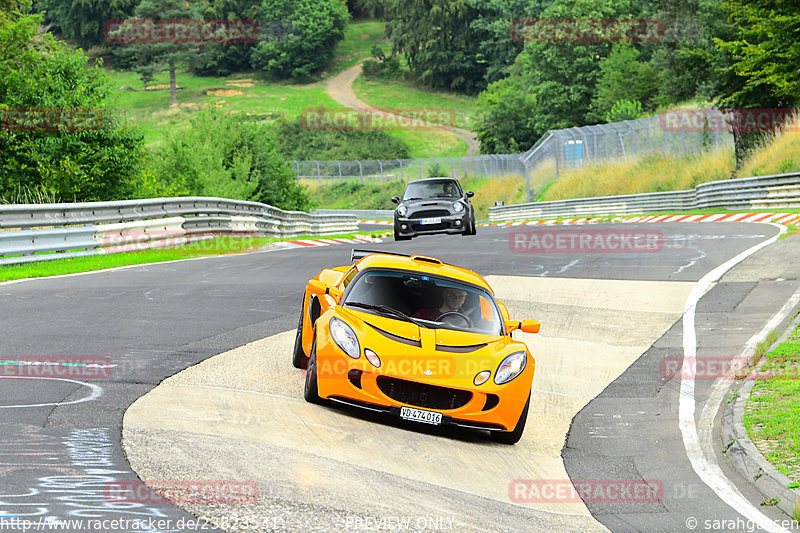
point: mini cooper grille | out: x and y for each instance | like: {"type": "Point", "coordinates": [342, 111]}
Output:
{"type": "Point", "coordinates": [430, 213]}
{"type": "Point", "coordinates": [423, 395]}
{"type": "Point", "coordinates": [429, 227]}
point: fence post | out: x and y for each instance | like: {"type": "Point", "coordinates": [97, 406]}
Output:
{"type": "Point", "coordinates": [527, 184]}
{"type": "Point", "coordinates": [340, 170]}
{"type": "Point", "coordinates": [420, 168]}
{"type": "Point", "coordinates": [401, 169]}
{"type": "Point", "coordinates": [381, 164]}
{"type": "Point", "coordinates": [360, 172]}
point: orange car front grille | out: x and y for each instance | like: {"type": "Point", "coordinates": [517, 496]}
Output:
{"type": "Point", "coordinates": [422, 395]}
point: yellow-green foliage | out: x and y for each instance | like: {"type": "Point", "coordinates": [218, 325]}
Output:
{"type": "Point", "coordinates": [649, 174]}
{"type": "Point", "coordinates": [778, 157]}
{"type": "Point", "coordinates": [510, 190]}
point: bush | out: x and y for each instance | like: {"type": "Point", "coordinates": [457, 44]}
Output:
{"type": "Point", "coordinates": [317, 26]}
{"type": "Point", "coordinates": [624, 110]}
{"type": "Point", "coordinates": [381, 66]}
{"type": "Point", "coordinates": [221, 155]}
{"type": "Point", "coordinates": [297, 142]}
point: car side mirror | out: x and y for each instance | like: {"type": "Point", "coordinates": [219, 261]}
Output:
{"type": "Point", "coordinates": [396, 199]}
{"type": "Point", "coordinates": [317, 287]}
{"type": "Point", "coordinates": [470, 194]}
{"type": "Point", "coordinates": [527, 326]}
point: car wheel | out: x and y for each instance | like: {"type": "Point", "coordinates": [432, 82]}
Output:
{"type": "Point", "coordinates": [512, 437]}
{"type": "Point", "coordinates": [310, 390]}
{"type": "Point", "coordinates": [474, 225]}
{"type": "Point", "coordinates": [299, 357]}
{"type": "Point", "coordinates": [400, 237]}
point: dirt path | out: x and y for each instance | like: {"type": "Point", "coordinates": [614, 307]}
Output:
{"type": "Point", "coordinates": [340, 88]}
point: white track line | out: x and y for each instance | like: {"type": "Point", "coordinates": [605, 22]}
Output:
{"type": "Point", "coordinates": [703, 464]}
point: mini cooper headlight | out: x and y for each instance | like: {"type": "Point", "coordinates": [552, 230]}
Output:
{"type": "Point", "coordinates": [402, 210]}
{"type": "Point", "coordinates": [345, 338]}
{"type": "Point", "coordinates": [458, 207]}
{"type": "Point", "coordinates": [511, 367]}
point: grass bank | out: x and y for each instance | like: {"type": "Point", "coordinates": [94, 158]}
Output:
{"type": "Point", "coordinates": [772, 416]}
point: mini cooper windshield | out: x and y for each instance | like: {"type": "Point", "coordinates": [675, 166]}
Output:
{"type": "Point", "coordinates": [427, 301]}
{"type": "Point", "coordinates": [432, 189]}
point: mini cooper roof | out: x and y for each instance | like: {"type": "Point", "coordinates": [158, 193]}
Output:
{"type": "Point", "coordinates": [417, 263]}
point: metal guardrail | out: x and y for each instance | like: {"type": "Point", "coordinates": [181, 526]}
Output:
{"type": "Point", "coordinates": [363, 214]}
{"type": "Point", "coordinates": [37, 232]}
{"type": "Point", "coordinates": [765, 192]}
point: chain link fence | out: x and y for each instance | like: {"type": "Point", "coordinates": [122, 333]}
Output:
{"type": "Point", "coordinates": [553, 153]}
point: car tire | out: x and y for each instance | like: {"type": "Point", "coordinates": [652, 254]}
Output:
{"type": "Point", "coordinates": [474, 225]}
{"type": "Point", "coordinates": [299, 357]}
{"type": "Point", "coordinates": [512, 437]}
{"type": "Point", "coordinates": [310, 389]}
{"type": "Point", "coordinates": [400, 237]}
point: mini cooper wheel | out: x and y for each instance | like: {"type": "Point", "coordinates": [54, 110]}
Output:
{"type": "Point", "coordinates": [299, 357]}
{"type": "Point", "coordinates": [310, 390]}
{"type": "Point", "coordinates": [512, 437]}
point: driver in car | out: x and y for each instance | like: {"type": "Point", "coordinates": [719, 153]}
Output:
{"type": "Point", "coordinates": [449, 189]}
{"type": "Point", "coordinates": [452, 300]}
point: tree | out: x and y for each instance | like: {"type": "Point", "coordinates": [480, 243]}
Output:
{"type": "Point", "coordinates": [438, 41]}
{"type": "Point", "coordinates": [314, 28]}
{"type": "Point", "coordinates": [157, 51]}
{"type": "Point", "coordinates": [223, 59]}
{"type": "Point", "coordinates": [61, 134]}
{"type": "Point", "coordinates": [758, 65]}
{"type": "Point", "coordinates": [83, 21]}
{"type": "Point", "coordinates": [504, 117]}
{"type": "Point", "coordinates": [623, 77]}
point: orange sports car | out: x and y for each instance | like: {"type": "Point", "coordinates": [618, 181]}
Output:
{"type": "Point", "coordinates": [416, 338]}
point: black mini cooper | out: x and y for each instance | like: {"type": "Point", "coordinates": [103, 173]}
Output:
{"type": "Point", "coordinates": [435, 205]}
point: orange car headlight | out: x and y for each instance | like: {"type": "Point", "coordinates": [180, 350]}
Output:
{"type": "Point", "coordinates": [345, 338]}
{"type": "Point", "coordinates": [372, 357]}
{"type": "Point", "coordinates": [481, 377]}
{"type": "Point", "coordinates": [511, 367]}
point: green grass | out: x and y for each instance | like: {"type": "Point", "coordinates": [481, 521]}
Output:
{"type": "Point", "coordinates": [772, 417]}
{"type": "Point", "coordinates": [359, 38]}
{"type": "Point", "coordinates": [398, 95]}
{"type": "Point", "coordinates": [213, 247]}
{"type": "Point", "coordinates": [431, 143]}
{"type": "Point", "coordinates": [263, 100]}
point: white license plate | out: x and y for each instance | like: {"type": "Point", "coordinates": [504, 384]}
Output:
{"type": "Point", "coordinates": [430, 221]}
{"type": "Point", "coordinates": [419, 415]}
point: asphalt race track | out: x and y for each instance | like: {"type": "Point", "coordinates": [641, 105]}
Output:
{"type": "Point", "coordinates": [609, 320]}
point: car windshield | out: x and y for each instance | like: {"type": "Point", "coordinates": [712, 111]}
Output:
{"type": "Point", "coordinates": [432, 189]}
{"type": "Point", "coordinates": [428, 301]}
